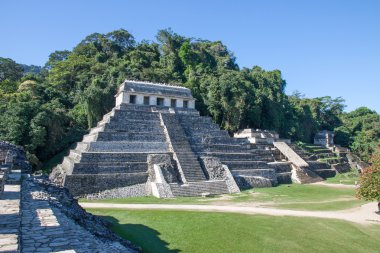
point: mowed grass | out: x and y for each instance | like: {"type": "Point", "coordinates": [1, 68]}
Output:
{"type": "Point", "coordinates": [351, 178]}
{"type": "Point", "coordinates": [303, 197]}
{"type": "Point", "coordinates": [295, 196]}
{"type": "Point", "coordinates": [181, 231]}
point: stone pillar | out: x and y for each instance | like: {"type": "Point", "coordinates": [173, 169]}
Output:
{"type": "Point", "coordinates": [191, 104]}
{"type": "Point", "coordinates": [139, 99]}
{"type": "Point", "coordinates": [179, 103]}
{"type": "Point", "coordinates": [152, 100]}
{"type": "Point", "coordinates": [167, 102]}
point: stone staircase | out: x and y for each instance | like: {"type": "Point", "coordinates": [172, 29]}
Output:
{"type": "Point", "coordinates": [114, 153]}
{"type": "Point", "coordinates": [246, 163]}
{"type": "Point", "coordinates": [215, 187]}
{"type": "Point", "coordinates": [186, 159]}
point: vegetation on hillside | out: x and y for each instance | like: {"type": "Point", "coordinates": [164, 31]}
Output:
{"type": "Point", "coordinates": [370, 180]}
{"type": "Point", "coordinates": [47, 109]}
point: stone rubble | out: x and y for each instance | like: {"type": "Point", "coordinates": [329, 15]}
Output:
{"type": "Point", "coordinates": [53, 221]}
{"type": "Point", "coordinates": [38, 216]}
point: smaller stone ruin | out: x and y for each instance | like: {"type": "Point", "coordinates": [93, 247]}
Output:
{"type": "Point", "coordinates": [261, 138]}
{"type": "Point", "coordinates": [11, 157]}
{"type": "Point", "coordinates": [324, 138]}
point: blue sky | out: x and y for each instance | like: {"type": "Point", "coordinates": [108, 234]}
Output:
{"type": "Point", "coordinates": [322, 47]}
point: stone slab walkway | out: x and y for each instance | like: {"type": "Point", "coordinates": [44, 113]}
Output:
{"type": "Point", "coordinates": [30, 223]}
{"type": "Point", "coordinates": [46, 229]}
{"type": "Point", "coordinates": [10, 219]}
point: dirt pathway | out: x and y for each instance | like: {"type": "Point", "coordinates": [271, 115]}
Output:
{"type": "Point", "coordinates": [364, 214]}
{"type": "Point", "coordinates": [342, 186]}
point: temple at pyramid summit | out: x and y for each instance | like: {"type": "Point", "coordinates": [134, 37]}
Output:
{"type": "Point", "coordinates": [154, 142]}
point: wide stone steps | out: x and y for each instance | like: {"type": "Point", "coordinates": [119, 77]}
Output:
{"type": "Point", "coordinates": [99, 168]}
{"type": "Point", "coordinates": [141, 122]}
{"type": "Point", "coordinates": [188, 162]}
{"type": "Point", "coordinates": [221, 148]}
{"type": "Point", "coordinates": [246, 165]}
{"type": "Point", "coordinates": [208, 134]}
{"type": "Point", "coordinates": [133, 127]}
{"type": "Point", "coordinates": [281, 167]}
{"type": "Point", "coordinates": [136, 115]}
{"type": "Point", "coordinates": [114, 157]}
{"type": "Point", "coordinates": [284, 178]}
{"type": "Point", "coordinates": [265, 173]}
{"type": "Point", "coordinates": [323, 173]}
{"type": "Point", "coordinates": [238, 156]}
{"type": "Point", "coordinates": [124, 136]}
{"type": "Point", "coordinates": [200, 126]}
{"type": "Point", "coordinates": [115, 146]}
{"type": "Point", "coordinates": [199, 188]}
{"type": "Point", "coordinates": [193, 119]}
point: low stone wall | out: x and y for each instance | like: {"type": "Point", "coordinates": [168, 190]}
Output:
{"type": "Point", "coordinates": [137, 190]}
{"type": "Point", "coordinates": [16, 155]}
{"type": "Point", "coordinates": [82, 185]}
{"type": "Point", "coordinates": [248, 182]}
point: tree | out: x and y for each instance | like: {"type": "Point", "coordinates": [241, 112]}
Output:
{"type": "Point", "coordinates": [369, 184]}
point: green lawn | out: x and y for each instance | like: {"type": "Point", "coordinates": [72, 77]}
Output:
{"type": "Point", "coordinates": [180, 231]}
{"type": "Point", "coordinates": [345, 178]}
{"type": "Point", "coordinates": [295, 196]}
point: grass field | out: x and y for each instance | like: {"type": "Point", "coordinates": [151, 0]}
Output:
{"type": "Point", "coordinates": [351, 178]}
{"type": "Point", "coordinates": [295, 196]}
{"type": "Point", "coordinates": [180, 231]}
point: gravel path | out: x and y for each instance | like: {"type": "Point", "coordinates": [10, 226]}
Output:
{"type": "Point", "coordinates": [364, 214]}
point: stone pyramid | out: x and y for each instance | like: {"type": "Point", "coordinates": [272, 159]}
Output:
{"type": "Point", "coordinates": [154, 142]}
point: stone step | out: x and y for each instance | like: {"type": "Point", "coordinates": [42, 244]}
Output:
{"type": "Point", "coordinates": [185, 119]}
{"type": "Point", "coordinates": [75, 155]}
{"type": "Point", "coordinates": [325, 173]}
{"type": "Point", "coordinates": [281, 167]}
{"type": "Point", "coordinates": [246, 165]}
{"type": "Point", "coordinates": [194, 126]}
{"type": "Point", "coordinates": [314, 165]}
{"type": "Point", "coordinates": [97, 129]}
{"type": "Point", "coordinates": [265, 173]}
{"type": "Point", "coordinates": [122, 146]}
{"type": "Point", "coordinates": [139, 108]}
{"type": "Point", "coordinates": [284, 178]}
{"type": "Point", "coordinates": [81, 146]}
{"type": "Point", "coordinates": [68, 163]}
{"type": "Point", "coordinates": [133, 128]}
{"type": "Point", "coordinates": [199, 188]}
{"type": "Point", "coordinates": [140, 122]}
{"type": "Point", "coordinates": [96, 157]}
{"type": "Point", "coordinates": [189, 163]}
{"type": "Point", "coordinates": [225, 157]}
{"type": "Point", "coordinates": [90, 137]}
{"type": "Point", "coordinates": [221, 148]}
{"type": "Point", "coordinates": [99, 168]}
{"type": "Point", "coordinates": [186, 111]}
{"type": "Point", "coordinates": [207, 133]}
{"type": "Point", "coordinates": [198, 140]}
{"type": "Point", "coordinates": [131, 136]}
{"type": "Point", "coordinates": [136, 114]}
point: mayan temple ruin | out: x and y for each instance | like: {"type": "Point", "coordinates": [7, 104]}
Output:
{"type": "Point", "coordinates": [154, 142]}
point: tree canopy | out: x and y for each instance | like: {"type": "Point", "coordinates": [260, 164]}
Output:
{"type": "Point", "coordinates": [46, 109]}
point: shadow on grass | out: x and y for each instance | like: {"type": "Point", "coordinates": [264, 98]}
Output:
{"type": "Point", "coordinates": [140, 235]}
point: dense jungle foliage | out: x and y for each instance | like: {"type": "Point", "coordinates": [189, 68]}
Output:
{"type": "Point", "coordinates": [46, 109]}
